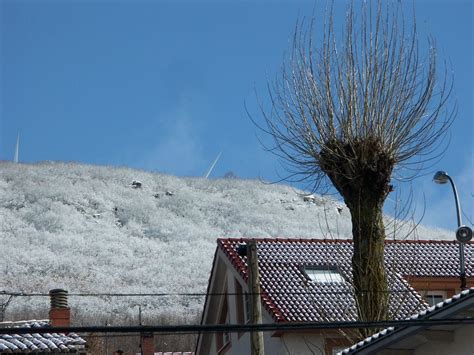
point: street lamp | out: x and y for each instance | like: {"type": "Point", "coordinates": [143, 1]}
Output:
{"type": "Point", "coordinates": [463, 233]}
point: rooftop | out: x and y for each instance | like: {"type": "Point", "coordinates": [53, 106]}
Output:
{"type": "Point", "coordinates": [290, 295]}
{"type": "Point", "coordinates": [35, 342]}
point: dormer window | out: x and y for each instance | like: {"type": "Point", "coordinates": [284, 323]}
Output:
{"type": "Point", "coordinates": [323, 274]}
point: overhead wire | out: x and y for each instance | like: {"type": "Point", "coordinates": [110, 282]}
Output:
{"type": "Point", "coordinates": [218, 328]}
{"type": "Point", "coordinates": [200, 294]}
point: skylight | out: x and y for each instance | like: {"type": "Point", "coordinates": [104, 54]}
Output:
{"type": "Point", "coordinates": [323, 275]}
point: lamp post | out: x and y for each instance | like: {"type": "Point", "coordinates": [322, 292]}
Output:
{"type": "Point", "coordinates": [463, 233]}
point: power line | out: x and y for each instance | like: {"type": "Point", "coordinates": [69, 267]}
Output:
{"type": "Point", "coordinates": [200, 294]}
{"type": "Point", "coordinates": [130, 335]}
{"type": "Point", "coordinates": [213, 328]}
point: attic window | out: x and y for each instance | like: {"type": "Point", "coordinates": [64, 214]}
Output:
{"type": "Point", "coordinates": [323, 274]}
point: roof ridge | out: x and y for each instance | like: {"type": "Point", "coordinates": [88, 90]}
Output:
{"type": "Point", "coordinates": [17, 322]}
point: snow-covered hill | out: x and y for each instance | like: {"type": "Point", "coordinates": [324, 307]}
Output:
{"type": "Point", "coordinates": [88, 229]}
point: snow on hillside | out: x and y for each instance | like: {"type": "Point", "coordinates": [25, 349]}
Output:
{"type": "Point", "coordinates": [88, 229]}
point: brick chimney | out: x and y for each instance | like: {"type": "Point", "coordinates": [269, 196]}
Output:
{"type": "Point", "coordinates": [60, 313]}
{"type": "Point", "coordinates": [147, 344]}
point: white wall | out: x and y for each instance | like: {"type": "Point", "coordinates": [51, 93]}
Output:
{"type": "Point", "coordinates": [240, 346]}
{"type": "Point", "coordinates": [288, 344]}
{"type": "Point", "coordinates": [304, 344]}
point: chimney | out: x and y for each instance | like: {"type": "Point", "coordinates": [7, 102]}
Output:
{"type": "Point", "coordinates": [60, 313]}
{"type": "Point", "coordinates": [147, 344]}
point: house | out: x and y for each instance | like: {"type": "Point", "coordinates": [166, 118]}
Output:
{"type": "Point", "coordinates": [309, 280]}
{"type": "Point", "coordinates": [426, 339]}
{"type": "Point", "coordinates": [42, 343]}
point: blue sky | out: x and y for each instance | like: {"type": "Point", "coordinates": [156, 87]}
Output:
{"type": "Point", "coordinates": [162, 85]}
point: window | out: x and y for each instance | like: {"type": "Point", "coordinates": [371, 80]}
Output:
{"type": "Point", "coordinates": [242, 304]}
{"type": "Point", "coordinates": [247, 307]}
{"type": "Point", "coordinates": [239, 303]}
{"type": "Point", "coordinates": [323, 274]}
{"type": "Point", "coordinates": [435, 297]}
{"type": "Point", "coordinates": [227, 334]}
{"type": "Point", "coordinates": [223, 339]}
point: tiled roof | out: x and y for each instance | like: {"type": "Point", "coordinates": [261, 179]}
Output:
{"type": "Point", "coordinates": [460, 297]}
{"type": "Point", "coordinates": [428, 257]}
{"type": "Point", "coordinates": [288, 295]}
{"type": "Point", "coordinates": [35, 342]}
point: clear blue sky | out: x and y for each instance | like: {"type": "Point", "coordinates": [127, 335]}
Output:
{"type": "Point", "coordinates": [162, 85]}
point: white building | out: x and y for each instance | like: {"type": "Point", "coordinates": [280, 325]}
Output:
{"type": "Point", "coordinates": [309, 280]}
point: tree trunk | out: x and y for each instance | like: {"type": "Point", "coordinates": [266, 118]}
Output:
{"type": "Point", "coordinates": [368, 270]}
{"type": "Point", "coordinates": [361, 173]}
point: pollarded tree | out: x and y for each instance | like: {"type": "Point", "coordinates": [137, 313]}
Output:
{"type": "Point", "coordinates": [351, 114]}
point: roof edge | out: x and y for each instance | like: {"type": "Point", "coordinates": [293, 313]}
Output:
{"type": "Point", "coordinates": [432, 311]}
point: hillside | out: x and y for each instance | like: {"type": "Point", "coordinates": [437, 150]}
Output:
{"type": "Point", "coordinates": [88, 229]}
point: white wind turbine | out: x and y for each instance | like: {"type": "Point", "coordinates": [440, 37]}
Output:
{"type": "Point", "coordinates": [213, 165]}
{"type": "Point", "coordinates": [17, 148]}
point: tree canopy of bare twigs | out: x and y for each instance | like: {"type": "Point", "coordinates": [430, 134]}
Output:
{"type": "Point", "coordinates": [352, 109]}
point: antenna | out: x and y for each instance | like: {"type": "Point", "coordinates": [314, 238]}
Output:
{"type": "Point", "coordinates": [17, 148]}
{"type": "Point", "coordinates": [212, 166]}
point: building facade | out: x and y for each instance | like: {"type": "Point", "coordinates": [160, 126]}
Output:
{"type": "Point", "coordinates": [310, 280]}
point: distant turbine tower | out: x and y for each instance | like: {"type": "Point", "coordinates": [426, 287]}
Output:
{"type": "Point", "coordinates": [17, 148]}
{"type": "Point", "coordinates": [213, 165]}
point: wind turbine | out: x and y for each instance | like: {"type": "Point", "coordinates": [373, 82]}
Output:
{"type": "Point", "coordinates": [17, 148]}
{"type": "Point", "coordinates": [212, 166]}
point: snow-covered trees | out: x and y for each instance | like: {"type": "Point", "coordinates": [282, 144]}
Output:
{"type": "Point", "coordinates": [86, 229]}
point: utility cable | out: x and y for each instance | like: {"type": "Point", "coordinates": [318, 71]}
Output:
{"type": "Point", "coordinates": [213, 328]}
{"type": "Point", "coordinates": [200, 294]}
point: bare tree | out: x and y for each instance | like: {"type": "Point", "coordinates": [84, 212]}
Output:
{"type": "Point", "coordinates": [351, 114]}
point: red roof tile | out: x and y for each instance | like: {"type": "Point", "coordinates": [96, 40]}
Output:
{"type": "Point", "coordinates": [289, 296]}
